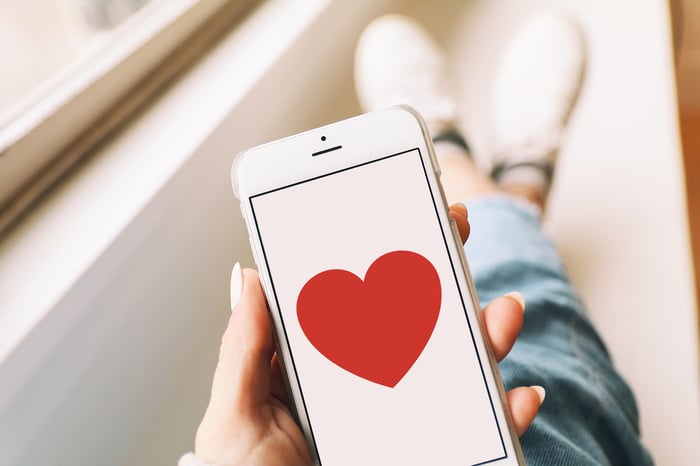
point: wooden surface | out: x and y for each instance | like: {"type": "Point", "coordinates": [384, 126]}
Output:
{"type": "Point", "coordinates": [690, 137]}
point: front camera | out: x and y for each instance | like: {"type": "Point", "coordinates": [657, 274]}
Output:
{"type": "Point", "coordinates": [323, 138]}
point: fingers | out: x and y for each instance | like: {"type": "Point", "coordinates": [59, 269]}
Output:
{"type": "Point", "coordinates": [277, 387]}
{"type": "Point", "coordinates": [459, 213]}
{"type": "Point", "coordinates": [524, 402]}
{"type": "Point", "coordinates": [504, 318]}
{"type": "Point", "coordinates": [242, 377]}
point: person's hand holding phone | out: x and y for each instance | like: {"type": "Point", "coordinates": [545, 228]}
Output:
{"type": "Point", "coordinates": [248, 421]}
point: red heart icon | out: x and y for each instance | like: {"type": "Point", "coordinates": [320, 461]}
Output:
{"type": "Point", "coordinates": [375, 328]}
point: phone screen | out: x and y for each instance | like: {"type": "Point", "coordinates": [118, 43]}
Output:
{"type": "Point", "coordinates": [380, 339]}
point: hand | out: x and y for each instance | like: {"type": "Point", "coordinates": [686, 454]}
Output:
{"type": "Point", "coordinates": [247, 421]}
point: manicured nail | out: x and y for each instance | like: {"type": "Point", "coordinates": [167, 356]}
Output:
{"type": "Point", "coordinates": [540, 392]}
{"type": "Point", "coordinates": [236, 285]}
{"type": "Point", "coordinates": [461, 206]}
{"type": "Point", "coordinates": [517, 296]}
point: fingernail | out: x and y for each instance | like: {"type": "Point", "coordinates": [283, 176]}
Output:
{"type": "Point", "coordinates": [540, 392]}
{"type": "Point", "coordinates": [236, 285]}
{"type": "Point", "coordinates": [462, 206]}
{"type": "Point", "coordinates": [517, 296]}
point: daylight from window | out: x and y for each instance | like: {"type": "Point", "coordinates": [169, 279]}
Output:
{"type": "Point", "coordinates": [46, 39]}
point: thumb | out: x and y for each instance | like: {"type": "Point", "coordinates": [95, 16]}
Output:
{"type": "Point", "coordinates": [242, 377]}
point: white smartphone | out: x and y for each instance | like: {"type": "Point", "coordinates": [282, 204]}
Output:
{"type": "Point", "coordinates": [375, 315]}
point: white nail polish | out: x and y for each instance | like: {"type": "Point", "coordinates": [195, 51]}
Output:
{"type": "Point", "coordinates": [540, 392]}
{"type": "Point", "coordinates": [517, 296]}
{"type": "Point", "coordinates": [236, 285]}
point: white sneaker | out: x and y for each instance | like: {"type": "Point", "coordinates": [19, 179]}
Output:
{"type": "Point", "coordinates": [534, 94]}
{"type": "Point", "coordinates": [398, 62]}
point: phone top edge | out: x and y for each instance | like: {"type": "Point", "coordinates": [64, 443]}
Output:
{"type": "Point", "coordinates": [242, 157]}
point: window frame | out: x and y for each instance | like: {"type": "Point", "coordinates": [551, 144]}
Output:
{"type": "Point", "coordinates": [72, 112]}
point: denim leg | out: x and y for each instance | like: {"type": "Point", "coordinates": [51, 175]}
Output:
{"type": "Point", "coordinates": [589, 415]}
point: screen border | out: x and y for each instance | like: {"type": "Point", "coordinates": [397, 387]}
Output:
{"type": "Point", "coordinates": [479, 354]}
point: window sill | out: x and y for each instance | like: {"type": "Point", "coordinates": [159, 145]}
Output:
{"type": "Point", "coordinates": [49, 261]}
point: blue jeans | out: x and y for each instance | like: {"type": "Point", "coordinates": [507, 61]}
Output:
{"type": "Point", "coordinates": [589, 415]}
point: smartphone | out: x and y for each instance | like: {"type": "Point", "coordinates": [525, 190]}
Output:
{"type": "Point", "coordinates": [374, 311]}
